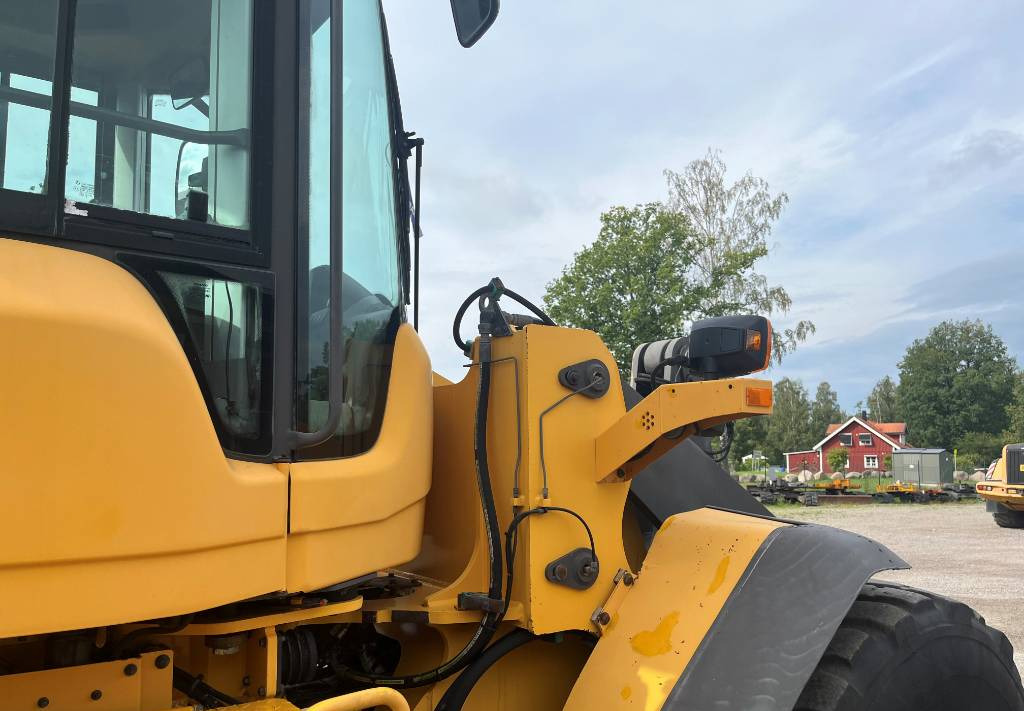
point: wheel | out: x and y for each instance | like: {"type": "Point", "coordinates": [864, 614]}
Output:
{"type": "Point", "coordinates": [1009, 519]}
{"type": "Point", "coordinates": [901, 649]}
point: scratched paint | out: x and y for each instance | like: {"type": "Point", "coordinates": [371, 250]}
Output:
{"type": "Point", "coordinates": [626, 692]}
{"type": "Point", "coordinates": [652, 643]}
{"type": "Point", "coordinates": [720, 572]}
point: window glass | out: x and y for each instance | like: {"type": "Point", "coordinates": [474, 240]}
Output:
{"type": "Point", "coordinates": [28, 45]}
{"type": "Point", "coordinates": [846, 440]}
{"type": "Point", "coordinates": [161, 108]}
{"type": "Point", "coordinates": [224, 321]}
{"type": "Point", "coordinates": [371, 291]}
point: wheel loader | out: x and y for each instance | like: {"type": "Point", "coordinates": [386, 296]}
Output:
{"type": "Point", "coordinates": [232, 480]}
{"type": "Point", "coordinates": [1003, 488]}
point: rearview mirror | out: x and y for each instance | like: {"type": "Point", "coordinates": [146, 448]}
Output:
{"type": "Point", "coordinates": [473, 18]}
{"type": "Point", "coordinates": [730, 346]}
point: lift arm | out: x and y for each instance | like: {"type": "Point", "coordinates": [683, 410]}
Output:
{"type": "Point", "coordinates": [668, 416]}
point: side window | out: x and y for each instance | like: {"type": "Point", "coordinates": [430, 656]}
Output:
{"type": "Point", "coordinates": [160, 108]}
{"type": "Point", "coordinates": [225, 325]}
{"type": "Point", "coordinates": [371, 289]}
{"type": "Point", "coordinates": [28, 45]}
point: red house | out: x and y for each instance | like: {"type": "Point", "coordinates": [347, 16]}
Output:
{"type": "Point", "coordinates": [867, 442]}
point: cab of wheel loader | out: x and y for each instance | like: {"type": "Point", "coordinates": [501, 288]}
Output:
{"type": "Point", "coordinates": [204, 249]}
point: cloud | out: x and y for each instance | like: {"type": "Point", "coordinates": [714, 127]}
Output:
{"type": "Point", "coordinates": [897, 132]}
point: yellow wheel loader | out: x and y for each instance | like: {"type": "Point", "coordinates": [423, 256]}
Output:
{"type": "Point", "coordinates": [231, 480]}
{"type": "Point", "coordinates": [1003, 488]}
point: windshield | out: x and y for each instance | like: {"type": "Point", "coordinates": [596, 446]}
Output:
{"type": "Point", "coordinates": [371, 290]}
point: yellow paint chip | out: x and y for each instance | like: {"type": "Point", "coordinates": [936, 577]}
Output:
{"type": "Point", "coordinates": [652, 643]}
{"type": "Point", "coordinates": [720, 573]}
{"type": "Point", "coordinates": [627, 691]}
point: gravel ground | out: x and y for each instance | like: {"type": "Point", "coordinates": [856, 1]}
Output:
{"type": "Point", "coordinates": [956, 550]}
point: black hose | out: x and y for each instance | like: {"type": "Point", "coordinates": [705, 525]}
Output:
{"type": "Point", "coordinates": [499, 291]}
{"type": "Point", "coordinates": [459, 691]}
{"type": "Point", "coordinates": [488, 624]}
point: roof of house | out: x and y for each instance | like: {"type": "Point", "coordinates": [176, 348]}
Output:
{"type": "Point", "coordinates": [922, 451]}
{"type": "Point", "coordinates": [889, 428]}
{"type": "Point", "coordinates": [871, 427]}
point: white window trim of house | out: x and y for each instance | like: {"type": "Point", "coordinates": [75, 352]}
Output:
{"type": "Point", "coordinates": [868, 458]}
{"type": "Point", "coordinates": [861, 439]}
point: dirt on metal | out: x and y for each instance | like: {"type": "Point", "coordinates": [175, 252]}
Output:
{"type": "Point", "coordinates": [955, 549]}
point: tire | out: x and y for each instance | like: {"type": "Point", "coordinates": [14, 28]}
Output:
{"type": "Point", "coordinates": [1009, 519]}
{"type": "Point", "coordinates": [901, 649]}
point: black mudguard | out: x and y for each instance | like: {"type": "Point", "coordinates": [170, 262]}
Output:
{"type": "Point", "coordinates": [777, 622]}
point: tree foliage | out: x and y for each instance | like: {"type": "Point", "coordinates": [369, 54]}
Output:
{"type": "Point", "coordinates": [837, 458]}
{"type": "Point", "coordinates": [1015, 413]}
{"type": "Point", "coordinates": [750, 434]}
{"type": "Point", "coordinates": [631, 285]}
{"type": "Point", "coordinates": [883, 402]}
{"type": "Point", "coordinates": [656, 268]}
{"type": "Point", "coordinates": [789, 426]}
{"type": "Point", "coordinates": [957, 380]}
{"type": "Point", "coordinates": [825, 410]}
{"type": "Point", "coordinates": [733, 223]}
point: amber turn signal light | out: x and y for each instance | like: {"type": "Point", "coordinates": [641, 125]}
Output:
{"type": "Point", "coordinates": [759, 397]}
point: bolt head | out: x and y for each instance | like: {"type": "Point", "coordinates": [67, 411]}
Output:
{"type": "Point", "coordinates": [43, 702]}
{"type": "Point", "coordinates": [261, 692]}
{"type": "Point", "coordinates": [561, 572]}
{"type": "Point", "coordinates": [96, 695]}
{"type": "Point", "coordinates": [604, 618]}
{"type": "Point", "coordinates": [130, 669]}
{"type": "Point", "coordinates": [162, 661]}
{"type": "Point", "coordinates": [628, 579]}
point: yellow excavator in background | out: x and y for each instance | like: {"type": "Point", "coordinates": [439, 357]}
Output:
{"type": "Point", "coordinates": [230, 478]}
{"type": "Point", "coordinates": [1003, 488]}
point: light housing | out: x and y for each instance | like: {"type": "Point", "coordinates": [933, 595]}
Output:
{"type": "Point", "coordinates": [730, 346]}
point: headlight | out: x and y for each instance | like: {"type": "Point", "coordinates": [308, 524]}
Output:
{"type": "Point", "coordinates": [724, 347]}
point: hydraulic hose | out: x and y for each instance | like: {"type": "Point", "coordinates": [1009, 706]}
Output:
{"type": "Point", "coordinates": [491, 619]}
{"type": "Point", "coordinates": [497, 289]}
{"type": "Point", "coordinates": [459, 691]}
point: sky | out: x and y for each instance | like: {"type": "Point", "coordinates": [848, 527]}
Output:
{"type": "Point", "coordinates": [896, 129]}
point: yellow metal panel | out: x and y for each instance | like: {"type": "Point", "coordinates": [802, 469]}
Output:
{"type": "Point", "coordinates": [353, 516]}
{"type": "Point", "coordinates": [123, 493]}
{"type": "Point", "coordinates": [696, 561]}
{"type": "Point", "coordinates": [137, 684]}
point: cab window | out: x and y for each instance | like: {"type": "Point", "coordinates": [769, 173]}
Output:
{"type": "Point", "coordinates": [160, 109]}
{"type": "Point", "coordinates": [28, 46]}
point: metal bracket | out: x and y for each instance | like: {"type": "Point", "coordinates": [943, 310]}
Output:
{"type": "Point", "coordinates": [602, 616]}
{"type": "Point", "coordinates": [577, 569]}
{"type": "Point", "coordinates": [591, 372]}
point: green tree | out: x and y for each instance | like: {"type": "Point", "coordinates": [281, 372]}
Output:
{"type": "Point", "coordinates": [887, 462]}
{"type": "Point", "coordinates": [632, 285]}
{"type": "Point", "coordinates": [656, 268]}
{"type": "Point", "coordinates": [789, 426]}
{"type": "Point", "coordinates": [883, 404]}
{"type": "Point", "coordinates": [959, 379]}
{"type": "Point", "coordinates": [1015, 413]}
{"type": "Point", "coordinates": [750, 434]}
{"type": "Point", "coordinates": [837, 458]}
{"type": "Point", "coordinates": [979, 448]}
{"type": "Point", "coordinates": [825, 410]}
{"type": "Point", "coordinates": [733, 223]}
